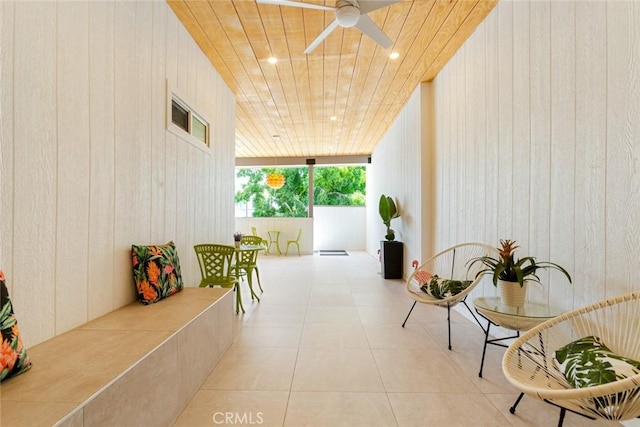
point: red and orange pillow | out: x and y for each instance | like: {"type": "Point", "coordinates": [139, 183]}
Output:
{"type": "Point", "coordinates": [156, 272]}
{"type": "Point", "coordinates": [13, 354]}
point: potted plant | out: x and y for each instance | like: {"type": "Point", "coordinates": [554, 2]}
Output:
{"type": "Point", "coordinates": [391, 251]}
{"type": "Point", "coordinates": [237, 237]}
{"type": "Point", "coordinates": [511, 275]}
{"type": "Point", "coordinates": [388, 211]}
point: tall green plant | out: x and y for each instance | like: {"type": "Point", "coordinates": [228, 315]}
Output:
{"type": "Point", "coordinates": [388, 211]}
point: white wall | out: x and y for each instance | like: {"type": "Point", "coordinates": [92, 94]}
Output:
{"type": "Point", "coordinates": [87, 166]}
{"type": "Point", "coordinates": [538, 140]}
{"type": "Point", "coordinates": [339, 227]}
{"type": "Point", "coordinates": [396, 171]}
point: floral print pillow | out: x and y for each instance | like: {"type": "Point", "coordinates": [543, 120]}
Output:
{"type": "Point", "coordinates": [13, 355]}
{"type": "Point", "coordinates": [156, 272]}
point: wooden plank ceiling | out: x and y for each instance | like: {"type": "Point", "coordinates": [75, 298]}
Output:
{"type": "Point", "coordinates": [348, 77]}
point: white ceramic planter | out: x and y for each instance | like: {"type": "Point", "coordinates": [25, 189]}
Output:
{"type": "Point", "coordinates": [512, 293]}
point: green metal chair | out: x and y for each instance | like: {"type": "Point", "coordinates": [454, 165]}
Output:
{"type": "Point", "coordinates": [296, 241]}
{"type": "Point", "coordinates": [216, 268]}
{"type": "Point", "coordinates": [255, 233]}
{"type": "Point", "coordinates": [247, 261]}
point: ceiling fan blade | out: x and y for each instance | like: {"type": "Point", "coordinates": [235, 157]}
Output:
{"type": "Point", "coordinates": [368, 27]}
{"type": "Point", "coordinates": [296, 4]}
{"type": "Point", "coordinates": [367, 6]}
{"type": "Point", "coordinates": [323, 35]}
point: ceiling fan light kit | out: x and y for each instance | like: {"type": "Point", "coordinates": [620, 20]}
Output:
{"type": "Point", "coordinates": [348, 13]}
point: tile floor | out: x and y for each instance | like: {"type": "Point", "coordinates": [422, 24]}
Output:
{"type": "Point", "coordinates": [325, 347]}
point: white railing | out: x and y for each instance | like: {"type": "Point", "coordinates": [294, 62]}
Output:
{"type": "Point", "coordinates": [339, 227]}
{"type": "Point", "coordinates": [333, 227]}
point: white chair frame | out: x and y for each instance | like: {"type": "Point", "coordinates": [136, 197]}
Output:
{"type": "Point", "coordinates": [451, 263]}
{"type": "Point", "coordinates": [528, 362]}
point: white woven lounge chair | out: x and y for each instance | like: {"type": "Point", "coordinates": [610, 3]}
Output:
{"type": "Point", "coordinates": [452, 263]}
{"type": "Point", "coordinates": [528, 362]}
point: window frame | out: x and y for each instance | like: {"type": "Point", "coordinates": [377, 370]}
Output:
{"type": "Point", "coordinates": [173, 96]}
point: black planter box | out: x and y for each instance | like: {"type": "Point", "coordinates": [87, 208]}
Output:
{"type": "Point", "coordinates": [391, 256]}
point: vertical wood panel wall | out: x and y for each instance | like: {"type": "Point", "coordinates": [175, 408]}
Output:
{"type": "Point", "coordinates": [88, 167]}
{"type": "Point", "coordinates": [538, 140]}
{"type": "Point", "coordinates": [395, 170]}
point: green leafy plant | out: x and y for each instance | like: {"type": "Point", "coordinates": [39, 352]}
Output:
{"type": "Point", "coordinates": [333, 186]}
{"type": "Point", "coordinates": [388, 211]}
{"type": "Point", "coordinates": [506, 267]}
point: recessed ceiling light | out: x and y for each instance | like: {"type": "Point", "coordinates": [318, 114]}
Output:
{"type": "Point", "coordinates": [272, 60]}
{"type": "Point", "coordinates": [394, 55]}
{"type": "Point", "coordinates": [334, 118]}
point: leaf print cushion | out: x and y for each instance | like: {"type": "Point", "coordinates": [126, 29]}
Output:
{"type": "Point", "coordinates": [13, 355]}
{"type": "Point", "coordinates": [156, 272]}
{"type": "Point", "coordinates": [589, 362]}
{"type": "Point", "coordinates": [444, 288]}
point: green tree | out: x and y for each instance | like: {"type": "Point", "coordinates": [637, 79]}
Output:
{"type": "Point", "coordinates": [288, 201]}
{"type": "Point", "coordinates": [334, 186]}
{"type": "Point", "coordinates": [339, 185]}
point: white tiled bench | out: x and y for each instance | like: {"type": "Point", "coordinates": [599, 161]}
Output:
{"type": "Point", "coordinates": [136, 366]}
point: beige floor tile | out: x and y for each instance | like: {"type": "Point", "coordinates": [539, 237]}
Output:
{"type": "Point", "coordinates": [428, 314]}
{"type": "Point", "coordinates": [323, 288]}
{"type": "Point", "coordinates": [493, 380]}
{"type": "Point", "coordinates": [464, 336]}
{"type": "Point", "coordinates": [332, 314]}
{"type": "Point", "coordinates": [336, 370]}
{"type": "Point", "coordinates": [278, 313]}
{"type": "Point", "coordinates": [391, 335]}
{"type": "Point", "coordinates": [331, 299]}
{"type": "Point", "coordinates": [318, 282]}
{"type": "Point", "coordinates": [253, 368]}
{"type": "Point", "coordinates": [376, 286]}
{"type": "Point", "coordinates": [440, 409]}
{"type": "Point", "coordinates": [266, 334]}
{"type": "Point", "coordinates": [339, 409]}
{"type": "Point", "coordinates": [238, 408]}
{"type": "Point", "coordinates": [334, 335]}
{"type": "Point", "coordinates": [295, 298]}
{"type": "Point", "coordinates": [378, 299]}
{"type": "Point", "coordinates": [421, 370]}
{"type": "Point", "coordinates": [325, 347]}
{"type": "Point", "coordinates": [282, 285]}
{"type": "Point", "coordinates": [532, 412]}
{"type": "Point", "coordinates": [325, 274]}
{"type": "Point", "coordinates": [389, 314]}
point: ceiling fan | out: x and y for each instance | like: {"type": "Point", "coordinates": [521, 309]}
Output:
{"type": "Point", "coordinates": [349, 13]}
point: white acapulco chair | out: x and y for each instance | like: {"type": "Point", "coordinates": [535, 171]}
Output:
{"type": "Point", "coordinates": [452, 263]}
{"type": "Point", "coordinates": [529, 364]}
